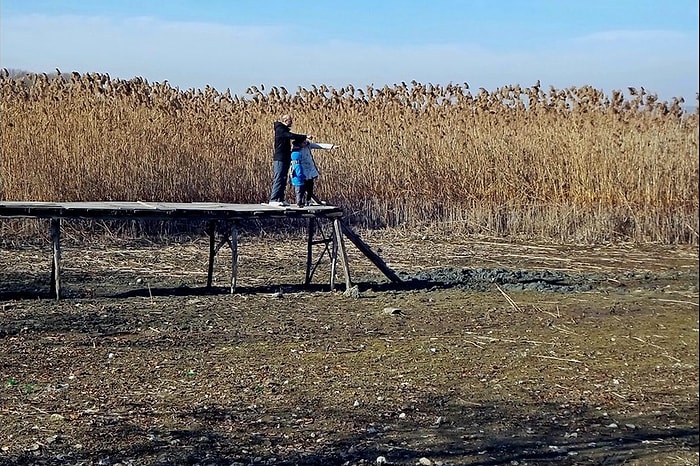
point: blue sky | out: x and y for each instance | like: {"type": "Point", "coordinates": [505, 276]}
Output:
{"type": "Point", "coordinates": [608, 44]}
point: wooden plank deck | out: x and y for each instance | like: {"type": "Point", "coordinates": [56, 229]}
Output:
{"type": "Point", "coordinates": [212, 212]}
{"type": "Point", "coordinates": [159, 210]}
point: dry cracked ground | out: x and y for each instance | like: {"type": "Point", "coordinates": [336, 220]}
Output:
{"type": "Point", "coordinates": [487, 353]}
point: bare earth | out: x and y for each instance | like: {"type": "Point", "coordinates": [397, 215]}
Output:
{"type": "Point", "coordinates": [489, 353]}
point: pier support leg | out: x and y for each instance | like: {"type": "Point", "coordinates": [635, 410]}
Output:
{"type": "Point", "coordinates": [311, 230]}
{"type": "Point", "coordinates": [343, 252]}
{"type": "Point", "coordinates": [212, 252]}
{"type": "Point", "coordinates": [334, 259]}
{"type": "Point", "coordinates": [234, 256]}
{"type": "Point", "coordinates": [232, 239]}
{"type": "Point", "coordinates": [56, 262]}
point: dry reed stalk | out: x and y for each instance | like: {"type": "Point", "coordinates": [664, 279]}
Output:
{"type": "Point", "coordinates": [566, 164]}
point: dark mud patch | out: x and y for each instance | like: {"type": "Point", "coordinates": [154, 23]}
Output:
{"type": "Point", "coordinates": [483, 279]}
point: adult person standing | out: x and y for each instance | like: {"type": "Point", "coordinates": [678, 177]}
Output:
{"type": "Point", "coordinates": [282, 158]}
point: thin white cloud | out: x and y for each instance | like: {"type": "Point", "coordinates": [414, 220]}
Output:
{"type": "Point", "coordinates": [194, 54]}
{"type": "Point", "coordinates": [625, 36]}
{"type": "Point", "coordinates": [126, 48]}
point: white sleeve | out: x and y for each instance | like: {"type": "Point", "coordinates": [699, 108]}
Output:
{"type": "Point", "coordinates": [321, 145]}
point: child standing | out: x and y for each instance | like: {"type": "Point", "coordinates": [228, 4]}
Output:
{"type": "Point", "coordinates": [304, 171]}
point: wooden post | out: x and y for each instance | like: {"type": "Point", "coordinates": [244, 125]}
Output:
{"type": "Point", "coordinates": [334, 259]}
{"type": "Point", "coordinates": [234, 256]}
{"type": "Point", "coordinates": [344, 255]}
{"type": "Point", "coordinates": [371, 255]}
{"type": "Point", "coordinates": [311, 229]}
{"type": "Point", "coordinates": [212, 252]}
{"type": "Point", "coordinates": [56, 263]}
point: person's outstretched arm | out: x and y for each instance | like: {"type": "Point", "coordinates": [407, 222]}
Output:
{"type": "Point", "coordinates": [321, 145]}
{"type": "Point", "coordinates": [298, 137]}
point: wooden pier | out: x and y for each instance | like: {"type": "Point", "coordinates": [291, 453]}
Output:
{"type": "Point", "coordinates": [217, 215]}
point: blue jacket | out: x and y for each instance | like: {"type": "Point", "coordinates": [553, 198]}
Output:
{"type": "Point", "coordinates": [297, 170]}
{"type": "Point", "coordinates": [303, 166]}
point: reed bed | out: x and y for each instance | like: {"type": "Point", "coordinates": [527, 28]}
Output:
{"type": "Point", "coordinates": [566, 165]}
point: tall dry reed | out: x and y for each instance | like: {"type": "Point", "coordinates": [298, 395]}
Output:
{"type": "Point", "coordinates": [561, 164]}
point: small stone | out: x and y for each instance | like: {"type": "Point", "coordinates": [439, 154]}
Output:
{"type": "Point", "coordinates": [394, 311]}
{"type": "Point", "coordinates": [425, 462]}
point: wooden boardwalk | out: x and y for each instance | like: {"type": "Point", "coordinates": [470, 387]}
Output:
{"type": "Point", "coordinates": [160, 210]}
{"type": "Point", "coordinates": [214, 213]}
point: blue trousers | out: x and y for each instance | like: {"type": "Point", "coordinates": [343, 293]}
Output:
{"type": "Point", "coordinates": [279, 180]}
